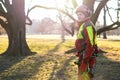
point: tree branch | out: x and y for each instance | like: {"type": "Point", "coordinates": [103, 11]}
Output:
{"type": "Point", "coordinates": [74, 3]}
{"type": "Point", "coordinates": [97, 12]}
{"type": "Point", "coordinates": [109, 14]}
{"type": "Point", "coordinates": [62, 11]}
{"type": "Point", "coordinates": [7, 6]}
{"type": "Point", "coordinates": [30, 21]}
{"type": "Point", "coordinates": [107, 28]}
{"type": "Point", "coordinates": [115, 27]}
{"type": "Point", "coordinates": [3, 24]}
{"type": "Point", "coordinates": [3, 14]}
{"type": "Point", "coordinates": [2, 2]}
{"type": "Point", "coordinates": [1, 8]}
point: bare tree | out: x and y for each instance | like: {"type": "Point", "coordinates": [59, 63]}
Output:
{"type": "Point", "coordinates": [90, 4]}
{"type": "Point", "coordinates": [14, 23]}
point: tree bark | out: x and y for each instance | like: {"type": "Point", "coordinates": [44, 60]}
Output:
{"type": "Point", "coordinates": [90, 4]}
{"type": "Point", "coordinates": [98, 10]}
{"type": "Point", "coordinates": [16, 30]}
{"type": "Point", "coordinates": [110, 27]}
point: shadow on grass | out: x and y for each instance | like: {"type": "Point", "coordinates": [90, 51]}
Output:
{"type": "Point", "coordinates": [22, 68]}
{"type": "Point", "coordinates": [7, 61]}
{"type": "Point", "coordinates": [56, 47]}
{"type": "Point", "coordinates": [70, 51]}
{"type": "Point", "coordinates": [55, 67]}
{"type": "Point", "coordinates": [63, 72]}
{"type": "Point", "coordinates": [73, 50]}
{"type": "Point", "coordinates": [114, 40]}
{"type": "Point", "coordinates": [107, 69]}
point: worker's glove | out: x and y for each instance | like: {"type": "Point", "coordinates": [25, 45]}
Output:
{"type": "Point", "coordinates": [83, 66]}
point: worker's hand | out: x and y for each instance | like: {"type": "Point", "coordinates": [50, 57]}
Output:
{"type": "Point", "coordinates": [83, 66]}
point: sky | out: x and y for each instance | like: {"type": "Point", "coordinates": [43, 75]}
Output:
{"type": "Point", "coordinates": [40, 13]}
{"type": "Point", "coordinates": [112, 3]}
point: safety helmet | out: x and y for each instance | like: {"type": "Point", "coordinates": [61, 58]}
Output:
{"type": "Point", "coordinates": [84, 9]}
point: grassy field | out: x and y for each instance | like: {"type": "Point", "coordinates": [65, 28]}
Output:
{"type": "Point", "coordinates": [51, 62]}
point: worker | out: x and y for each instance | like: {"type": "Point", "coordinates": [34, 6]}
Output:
{"type": "Point", "coordinates": [86, 43]}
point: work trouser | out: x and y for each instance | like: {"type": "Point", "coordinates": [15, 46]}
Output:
{"type": "Point", "coordinates": [90, 64]}
{"type": "Point", "coordinates": [91, 61]}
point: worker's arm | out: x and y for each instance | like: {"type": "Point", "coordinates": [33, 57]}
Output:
{"type": "Point", "coordinates": [88, 35]}
{"type": "Point", "coordinates": [89, 48]}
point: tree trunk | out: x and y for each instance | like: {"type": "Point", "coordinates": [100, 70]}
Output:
{"type": "Point", "coordinates": [17, 44]}
{"type": "Point", "coordinates": [89, 3]}
{"type": "Point", "coordinates": [104, 35]}
{"type": "Point", "coordinates": [16, 31]}
{"type": "Point", "coordinates": [104, 17]}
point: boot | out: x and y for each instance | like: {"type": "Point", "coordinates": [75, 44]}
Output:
{"type": "Point", "coordinates": [90, 73]}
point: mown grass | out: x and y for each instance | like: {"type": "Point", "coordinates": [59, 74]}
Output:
{"type": "Point", "coordinates": [50, 62]}
{"type": "Point", "coordinates": [3, 44]}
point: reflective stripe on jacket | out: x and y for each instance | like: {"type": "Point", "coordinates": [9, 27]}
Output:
{"type": "Point", "coordinates": [87, 34]}
{"type": "Point", "coordinates": [90, 31]}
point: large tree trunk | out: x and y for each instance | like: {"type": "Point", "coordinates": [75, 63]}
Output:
{"type": "Point", "coordinates": [98, 10]}
{"type": "Point", "coordinates": [16, 30]}
{"type": "Point", "coordinates": [90, 4]}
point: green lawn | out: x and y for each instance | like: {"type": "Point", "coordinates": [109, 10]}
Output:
{"type": "Point", "coordinates": [51, 62]}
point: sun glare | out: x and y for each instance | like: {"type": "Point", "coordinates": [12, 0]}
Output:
{"type": "Point", "coordinates": [40, 13]}
{"type": "Point", "coordinates": [60, 3]}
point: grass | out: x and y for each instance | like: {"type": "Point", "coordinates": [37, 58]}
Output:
{"type": "Point", "coordinates": [3, 44]}
{"type": "Point", "coordinates": [50, 62]}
